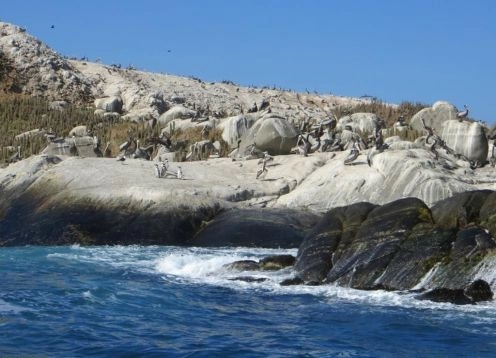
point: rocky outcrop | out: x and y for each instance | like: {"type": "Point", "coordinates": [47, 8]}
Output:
{"type": "Point", "coordinates": [235, 128]}
{"type": "Point", "coordinates": [361, 122]}
{"type": "Point", "coordinates": [256, 228]}
{"type": "Point", "coordinates": [111, 104]}
{"type": "Point", "coordinates": [269, 263]}
{"type": "Point", "coordinates": [38, 70]}
{"type": "Point", "coordinates": [477, 291]}
{"type": "Point", "coordinates": [272, 133]}
{"type": "Point", "coordinates": [176, 112]}
{"type": "Point", "coordinates": [401, 246]}
{"type": "Point", "coordinates": [434, 116]}
{"type": "Point", "coordinates": [467, 138]}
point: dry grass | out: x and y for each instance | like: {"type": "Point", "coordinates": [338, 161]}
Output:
{"type": "Point", "coordinates": [19, 114]}
{"type": "Point", "coordinates": [388, 113]}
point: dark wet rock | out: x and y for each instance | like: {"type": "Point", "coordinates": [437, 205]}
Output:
{"type": "Point", "coordinates": [276, 262]}
{"type": "Point", "coordinates": [488, 213]}
{"type": "Point", "coordinates": [471, 241]}
{"type": "Point", "coordinates": [477, 291]}
{"type": "Point", "coordinates": [455, 296]}
{"type": "Point", "coordinates": [292, 281]}
{"type": "Point", "coordinates": [376, 242]}
{"type": "Point", "coordinates": [424, 247]}
{"type": "Point", "coordinates": [456, 269]}
{"type": "Point", "coordinates": [274, 228]}
{"type": "Point", "coordinates": [461, 209]}
{"type": "Point", "coordinates": [249, 279]}
{"type": "Point", "coordinates": [243, 265]}
{"type": "Point", "coordinates": [314, 258]}
{"type": "Point", "coordinates": [35, 218]}
{"type": "Point", "coordinates": [269, 263]}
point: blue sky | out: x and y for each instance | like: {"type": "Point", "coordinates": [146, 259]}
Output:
{"type": "Point", "coordinates": [404, 50]}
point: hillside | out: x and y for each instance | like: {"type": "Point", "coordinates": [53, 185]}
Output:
{"type": "Point", "coordinates": [127, 99]}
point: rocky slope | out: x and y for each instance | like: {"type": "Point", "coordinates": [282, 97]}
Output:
{"type": "Point", "coordinates": [38, 70]}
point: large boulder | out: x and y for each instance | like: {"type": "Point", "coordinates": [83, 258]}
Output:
{"type": "Point", "coordinates": [272, 133]}
{"type": "Point", "coordinates": [78, 131]}
{"type": "Point", "coordinates": [256, 228]}
{"type": "Point", "coordinates": [363, 122]}
{"type": "Point", "coordinates": [361, 261]}
{"type": "Point", "coordinates": [477, 291]}
{"type": "Point", "coordinates": [460, 210]}
{"type": "Point", "coordinates": [109, 104]}
{"type": "Point", "coordinates": [84, 146]}
{"type": "Point", "coordinates": [176, 112]}
{"type": "Point", "coordinates": [234, 128]}
{"type": "Point", "coordinates": [434, 116]}
{"type": "Point", "coordinates": [314, 258]}
{"type": "Point", "coordinates": [466, 138]}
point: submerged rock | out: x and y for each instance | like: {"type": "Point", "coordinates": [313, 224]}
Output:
{"type": "Point", "coordinates": [269, 263]}
{"type": "Point", "coordinates": [276, 262]}
{"type": "Point", "coordinates": [249, 279]}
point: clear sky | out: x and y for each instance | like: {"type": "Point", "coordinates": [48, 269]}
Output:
{"type": "Point", "coordinates": [396, 50]}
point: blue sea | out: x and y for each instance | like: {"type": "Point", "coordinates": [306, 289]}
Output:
{"type": "Point", "coordinates": [163, 301]}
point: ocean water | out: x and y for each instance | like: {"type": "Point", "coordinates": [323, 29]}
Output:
{"type": "Point", "coordinates": [171, 301]}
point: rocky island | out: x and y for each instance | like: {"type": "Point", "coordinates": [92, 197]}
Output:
{"type": "Point", "coordinates": [370, 202]}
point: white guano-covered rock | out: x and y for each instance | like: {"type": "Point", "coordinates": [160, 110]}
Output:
{"type": "Point", "coordinates": [176, 112]}
{"type": "Point", "coordinates": [434, 116]}
{"type": "Point", "coordinates": [363, 122]}
{"type": "Point", "coordinates": [109, 104]}
{"type": "Point", "coordinates": [466, 138]}
{"type": "Point", "coordinates": [79, 131]}
{"type": "Point", "coordinates": [234, 128]}
{"type": "Point", "coordinates": [273, 134]}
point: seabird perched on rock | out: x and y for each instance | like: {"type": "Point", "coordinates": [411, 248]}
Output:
{"type": "Point", "coordinates": [107, 152]}
{"type": "Point", "coordinates": [262, 171]}
{"type": "Point", "coordinates": [17, 156]}
{"type": "Point", "coordinates": [141, 153]}
{"type": "Point", "coordinates": [180, 174]}
{"type": "Point", "coordinates": [74, 149]}
{"type": "Point", "coordinates": [462, 114]}
{"type": "Point", "coordinates": [267, 158]}
{"type": "Point", "coordinates": [354, 152]}
{"type": "Point", "coordinates": [302, 145]}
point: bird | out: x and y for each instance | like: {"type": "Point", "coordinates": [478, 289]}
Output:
{"type": "Point", "coordinates": [74, 148]}
{"type": "Point", "coordinates": [120, 158]}
{"type": "Point", "coordinates": [267, 158]}
{"type": "Point", "coordinates": [17, 156]}
{"type": "Point", "coordinates": [141, 153]}
{"type": "Point", "coordinates": [354, 152]}
{"type": "Point", "coordinates": [262, 171]}
{"type": "Point", "coordinates": [107, 152]}
{"type": "Point", "coordinates": [52, 27]}
{"type": "Point", "coordinates": [316, 146]}
{"type": "Point", "coordinates": [462, 114]}
{"type": "Point", "coordinates": [180, 173]}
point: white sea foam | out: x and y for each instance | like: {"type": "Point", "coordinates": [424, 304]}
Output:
{"type": "Point", "coordinates": [9, 307]}
{"type": "Point", "coordinates": [206, 266]}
